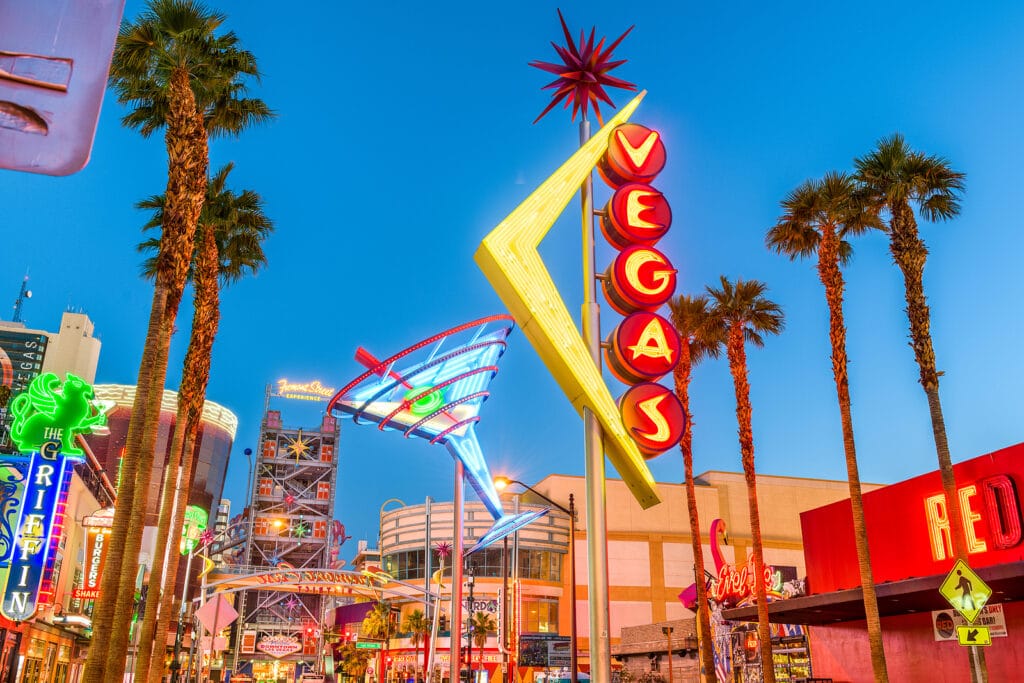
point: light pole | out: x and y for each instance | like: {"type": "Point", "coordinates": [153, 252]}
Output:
{"type": "Point", "coordinates": [667, 630]}
{"type": "Point", "coordinates": [501, 483]}
{"type": "Point", "coordinates": [469, 628]}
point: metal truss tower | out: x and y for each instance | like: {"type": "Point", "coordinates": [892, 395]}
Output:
{"type": "Point", "coordinates": [293, 495]}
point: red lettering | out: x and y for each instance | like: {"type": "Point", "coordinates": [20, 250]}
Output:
{"type": "Point", "coordinates": [1002, 511]}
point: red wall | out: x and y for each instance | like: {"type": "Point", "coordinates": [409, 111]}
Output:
{"type": "Point", "coordinates": [840, 651]}
{"type": "Point", "coordinates": [897, 526]}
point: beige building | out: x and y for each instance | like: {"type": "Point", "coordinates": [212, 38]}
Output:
{"type": "Point", "coordinates": [72, 349]}
{"type": "Point", "coordinates": [650, 557]}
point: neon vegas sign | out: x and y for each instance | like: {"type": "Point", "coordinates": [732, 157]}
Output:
{"type": "Point", "coordinates": [310, 391]}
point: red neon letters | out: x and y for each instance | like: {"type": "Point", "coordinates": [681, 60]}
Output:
{"type": "Point", "coordinates": [644, 347]}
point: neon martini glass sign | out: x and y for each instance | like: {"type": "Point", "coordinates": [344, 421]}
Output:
{"type": "Point", "coordinates": [433, 390]}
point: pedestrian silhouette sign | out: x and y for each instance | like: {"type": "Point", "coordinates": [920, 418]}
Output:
{"type": "Point", "coordinates": [973, 635]}
{"type": "Point", "coordinates": [965, 591]}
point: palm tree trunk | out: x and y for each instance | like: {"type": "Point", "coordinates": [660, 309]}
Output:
{"type": "Point", "coordinates": [681, 375]}
{"type": "Point", "coordinates": [832, 279]}
{"type": "Point", "coordinates": [103, 613]}
{"type": "Point", "coordinates": [205, 324]}
{"type": "Point", "coordinates": [188, 157]}
{"type": "Point", "coordinates": [738, 368]}
{"type": "Point", "coordinates": [909, 252]}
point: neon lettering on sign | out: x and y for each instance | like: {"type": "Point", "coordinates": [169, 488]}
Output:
{"type": "Point", "coordinates": [642, 348]}
{"type": "Point", "coordinates": [636, 214]}
{"type": "Point", "coordinates": [96, 543]}
{"type": "Point", "coordinates": [636, 154]}
{"type": "Point", "coordinates": [1002, 512]}
{"type": "Point", "coordinates": [654, 417]}
{"type": "Point", "coordinates": [640, 279]}
{"type": "Point", "coordinates": [47, 418]}
{"type": "Point", "coordinates": [279, 646]}
{"type": "Point", "coordinates": [310, 391]}
{"type": "Point", "coordinates": [734, 585]}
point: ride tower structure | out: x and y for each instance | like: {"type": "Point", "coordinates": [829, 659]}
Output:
{"type": "Point", "coordinates": [290, 520]}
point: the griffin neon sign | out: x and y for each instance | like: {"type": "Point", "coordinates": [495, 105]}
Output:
{"type": "Point", "coordinates": [47, 418]}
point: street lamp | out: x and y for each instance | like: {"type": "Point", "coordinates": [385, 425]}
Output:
{"type": "Point", "coordinates": [667, 630]}
{"type": "Point", "coordinates": [501, 483]}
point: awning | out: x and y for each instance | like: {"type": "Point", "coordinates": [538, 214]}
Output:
{"type": "Point", "coordinates": [896, 597]}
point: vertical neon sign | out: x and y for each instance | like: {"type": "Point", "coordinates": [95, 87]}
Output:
{"type": "Point", "coordinates": [47, 417]}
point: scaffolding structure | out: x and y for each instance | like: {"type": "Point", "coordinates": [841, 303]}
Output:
{"type": "Point", "coordinates": [290, 526]}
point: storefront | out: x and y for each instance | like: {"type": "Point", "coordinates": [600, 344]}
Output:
{"type": "Point", "coordinates": [909, 538]}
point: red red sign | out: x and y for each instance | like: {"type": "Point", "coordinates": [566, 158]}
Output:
{"type": "Point", "coordinates": [642, 348]}
{"type": "Point", "coordinates": [97, 538]}
{"type": "Point", "coordinates": [640, 279]}
{"type": "Point", "coordinates": [909, 528]}
{"type": "Point", "coordinates": [636, 214]}
{"type": "Point", "coordinates": [635, 154]}
{"type": "Point", "coordinates": [653, 416]}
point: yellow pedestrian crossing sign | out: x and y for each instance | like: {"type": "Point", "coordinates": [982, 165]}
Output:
{"type": "Point", "coordinates": [973, 635]}
{"type": "Point", "coordinates": [965, 590]}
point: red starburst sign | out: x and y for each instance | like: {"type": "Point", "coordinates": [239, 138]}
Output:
{"type": "Point", "coordinates": [644, 346]}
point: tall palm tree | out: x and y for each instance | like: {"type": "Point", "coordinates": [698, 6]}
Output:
{"type": "Point", "coordinates": [354, 661]}
{"type": "Point", "coordinates": [817, 218]}
{"type": "Point", "coordinates": [699, 339]}
{"type": "Point", "coordinates": [230, 237]}
{"type": "Point", "coordinates": [417, 626]}
{"type": "Point", "coordinates": [480, 625]}
{"type": "Point", "coordinates": [379, 624]}
{"type": "Point", "coordinates": [175, 73]}
{"type": "Point", "coordinates": [746, 315]}
{"type": "Point", "coordinates": [893, 176]}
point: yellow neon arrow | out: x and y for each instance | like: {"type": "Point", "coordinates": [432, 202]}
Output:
{"type": "Point", "coordinates": [509, 259]}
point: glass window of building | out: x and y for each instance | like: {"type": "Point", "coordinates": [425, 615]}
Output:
{"type": "Point", "coordinates": [540, 615]}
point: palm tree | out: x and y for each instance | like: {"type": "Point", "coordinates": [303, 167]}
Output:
{"type": "Point", "coordinates": [698, 340]}
{"type": "Point", "coordinates": [417, 626]}
{"type": "Point", "coordinates": [745, 314]}
{"type": "Point", "coordinates": [817, 218]}
{"type": "Point", "coordinates": [353, 660]}
{"type": "Point", "coordinates": [229, 246]}
{"type": "Point", "coordinates": [480, 625]}
{"type": "Point", "coordinates": [893, 177]}
{"type": "Point", "coordinates": [174, 72]}
{"type": "Point", "coordinates": [379, 624]}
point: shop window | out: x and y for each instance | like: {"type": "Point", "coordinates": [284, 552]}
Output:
{"type": "Point", "coordinates": [539, 615]}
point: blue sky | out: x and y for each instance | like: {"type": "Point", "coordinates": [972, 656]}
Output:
{"type": "Point", "coordinates": [404, 135]}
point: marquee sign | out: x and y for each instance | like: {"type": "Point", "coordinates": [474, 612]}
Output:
{"type": "Point", "coordinates": [645, 346]}
{"type": "Point", "coordinates": [47, 418]}
{"type": "Point", "coordinates": [279, 646]}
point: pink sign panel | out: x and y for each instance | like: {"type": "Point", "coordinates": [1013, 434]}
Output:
{"type": "Point", "coordinates": [54, 60]}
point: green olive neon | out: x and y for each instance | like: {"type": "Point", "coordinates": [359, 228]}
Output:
{"type": "Point", "coordinates": [425, 405]}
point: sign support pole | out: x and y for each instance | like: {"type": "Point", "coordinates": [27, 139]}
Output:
{"type": "Point", "coordinates": [597, 521]}
{"type": "Point", "coordinates": [455, 623]}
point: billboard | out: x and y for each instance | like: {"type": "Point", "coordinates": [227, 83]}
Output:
{"type": "Point", "coordinates": [21, 360]}
{"type": "Point", "coordinates": [544, 651]}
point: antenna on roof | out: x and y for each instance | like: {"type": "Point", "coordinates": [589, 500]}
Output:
{"type": "Point", "coordinates": [24, 294]}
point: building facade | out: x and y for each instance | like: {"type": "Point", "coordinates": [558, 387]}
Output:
{"type": "Point", "coordinates": [650, 560]}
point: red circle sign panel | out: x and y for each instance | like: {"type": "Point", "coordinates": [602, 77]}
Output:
{"type": "Point", "coordinates": [636, 214]}
{"type": "Point", "coordinates": [640, 279]}
{"type": "Point", "coordinates": [642, 348]}
{"type": "Point", "coordinates": [636, 154]}
{"type": "Point", "coordinates": [653, 416]}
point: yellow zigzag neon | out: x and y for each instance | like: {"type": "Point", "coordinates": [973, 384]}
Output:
{"type": "Point", "coordinates": [509, 259]}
